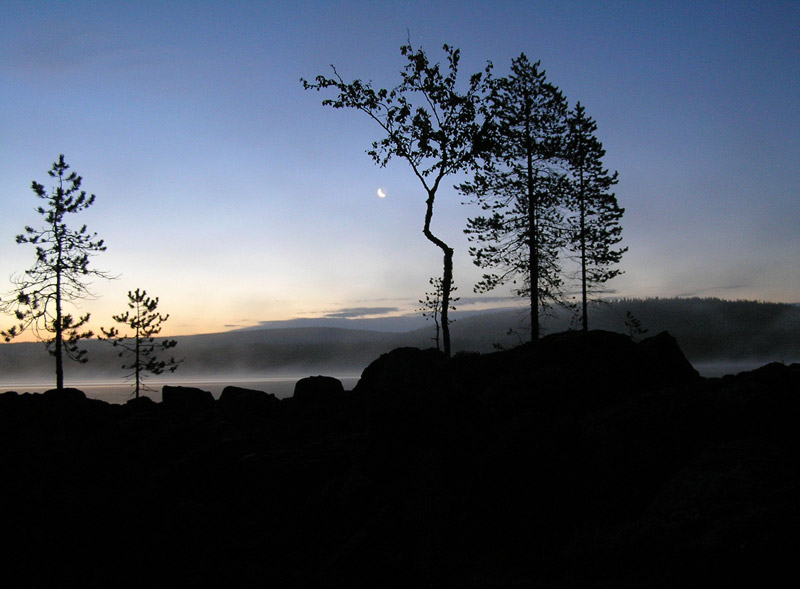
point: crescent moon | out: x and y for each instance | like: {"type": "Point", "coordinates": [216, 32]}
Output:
{"type": "Point", "coordinates": [381, 193]}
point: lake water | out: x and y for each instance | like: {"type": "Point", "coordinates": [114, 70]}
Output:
{"type": "Point", "coordinates": [120, 392]}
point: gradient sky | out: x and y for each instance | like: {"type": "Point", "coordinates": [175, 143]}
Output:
{"type": "Point", "coordinates": [228, 191]}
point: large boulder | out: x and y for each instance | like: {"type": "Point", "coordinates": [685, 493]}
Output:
{"type": "Point", "coordinates": [612, 360]}
{"type": "Point", "coordinates": [569, 372]}
{"type": "Point", "coordinates": [416, 413]}
{"type": "Point", "coordinates": [403, 372]}
{"type": "Point", "coordinates": [665, 361]}
{"type": "Point", "coordinates": [581, 372]}
{"type": "Point", "coordinates": [186, 398]}
{"type": "Point", "coordinates": [238, 398]}
{"type": "Point", "coordinates": [318, 391]}
{"type": "Point", "coordinates": [141, 404]}
{"type": "Point", "coordinates": [67, 395]}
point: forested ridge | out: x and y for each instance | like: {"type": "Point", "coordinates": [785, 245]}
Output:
{"type": "Point", "coordinates": [709, 328]}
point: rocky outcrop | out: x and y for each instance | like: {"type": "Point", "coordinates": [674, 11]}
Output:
{"type": "Point", "coordinates": [66, 395]}
{"type": "Point", "coordinates": [404, 372]}
{"type": "Point", "coordinates": [582, 460]}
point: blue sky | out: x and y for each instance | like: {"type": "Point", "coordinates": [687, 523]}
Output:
{"type": "Point", "coordinates": [228, 191]}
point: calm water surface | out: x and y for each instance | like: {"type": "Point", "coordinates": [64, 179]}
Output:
{"type": "Point", "coordinates": [118, 391]}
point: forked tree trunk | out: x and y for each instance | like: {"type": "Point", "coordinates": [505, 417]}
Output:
{"type": "Point", "coordinates": [447, 274]}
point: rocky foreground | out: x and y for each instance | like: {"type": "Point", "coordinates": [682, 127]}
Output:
{"type": "Point", "coordinates": [578, 462]}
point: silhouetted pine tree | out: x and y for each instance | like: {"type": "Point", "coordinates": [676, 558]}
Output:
{"type": "Point", "coordinates": [594, 226]}
{"type": "Point", "coordinates": [521, 187]}
{"type": "Point", "coordinates": [60, 274]}
{"type": "Point", "coordinates": [428, 123]}
{"type": "Point", "coordinates": [141, 346]}
{"type": "Point", "coordinates": [635, 329]}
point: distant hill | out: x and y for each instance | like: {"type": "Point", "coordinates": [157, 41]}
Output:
{"type": "Point", "coordinates": [708, 330]}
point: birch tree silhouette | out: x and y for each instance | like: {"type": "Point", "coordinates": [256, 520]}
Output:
{"type": "Point", "coordinates": [427, 122]}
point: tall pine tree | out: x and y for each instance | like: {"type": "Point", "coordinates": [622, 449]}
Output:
{"type": "Point", "coordinates": [61, 273]}
{"type": "Point", "coordinates": [594, 226]}
{"type": "Point", "coordinates": [521, 187]}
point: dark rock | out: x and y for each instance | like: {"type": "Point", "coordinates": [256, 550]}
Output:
{"type": "Point", "coordinates": [247, 399]}
{"type": "Point", "coordinates": [141, 404]}
{"type": "Point", "coordinates": [66, 395]}
{"type": "Point", "coordinates": [186, 398]}
{"type": "Point", "coordinates": [608, 360]}
{"type": "Point", "coordinates": [318, 391]}
{"type": "Point", "coordinates": [404, 372]}
{"type": "Point", "coordinates": [572, 372]}
{"type": "Point", "coordinates": [665, 363]}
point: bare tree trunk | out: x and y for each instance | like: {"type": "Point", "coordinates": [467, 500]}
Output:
{"type": "Point", "coordinates": [59, 324]}
{"type": "Point", "coordinates": [447, 275]}
{"type": "Point", "coordinates": [447, 284]}
{"type": "Point", "coordinates": [59, 354]}
{"type": "Point", "coordinates": [533, 259]}
{"type": "Point", "coordinates": [533, 243]}
{"type": "Point", "coordinates": [138, 363]}
{"type": "Point", "coordinates": [584, 299]}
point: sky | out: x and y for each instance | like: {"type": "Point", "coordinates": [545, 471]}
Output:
{"type": "Point", "coordinates": [234, 196]}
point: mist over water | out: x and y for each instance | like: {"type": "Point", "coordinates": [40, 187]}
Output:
{"type": "Point", "coordinates": [282, 386]}
{"type": "Point", "coordinates": [718, 337]}
{"type": "Point", "coordinates": [119, 391]}
{"type": "Point", "coordinates": [719, 368]}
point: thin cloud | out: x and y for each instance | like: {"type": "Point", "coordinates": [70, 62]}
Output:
{"type": "Point", "coordinates": [358, 312]}
{"type": "Point", "coordinates": [700, 291]}
{"type": "Point", "coordinates": [479, 300]}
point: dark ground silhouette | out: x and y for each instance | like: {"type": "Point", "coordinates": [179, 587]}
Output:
{"type": "Point", "coordinates": [580, 461]}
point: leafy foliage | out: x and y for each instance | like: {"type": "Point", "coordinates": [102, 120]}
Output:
{"type": "Point", "coordinates": [432, 306]}
{"type": "Point", "coordinates": [141, 347]}
{"type": "Point", "coordinates": [427, 122]}
{"type": "Point", "coordinates": [60, 273]}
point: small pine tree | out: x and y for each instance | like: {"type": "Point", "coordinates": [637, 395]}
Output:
{"type": "Point", "coordinates": [634, 326]}
{"type": "Point", "coordinates": [141, 347]}
{"type": "Point", "coordinates": [432, 306]}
